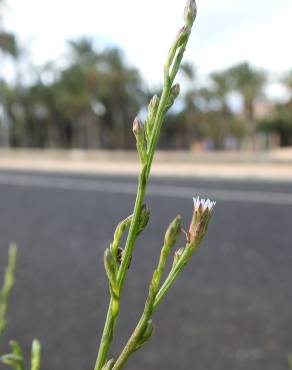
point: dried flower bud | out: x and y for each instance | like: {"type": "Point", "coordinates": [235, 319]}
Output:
{"type": "Point", "coordinates": [190, 12]}
{"type": "Point", "coordinates": [138, 127]}
{"type": "Point", "coordinates": [201, 217]}
{"type": "Point", "coordinates": [173, 231]}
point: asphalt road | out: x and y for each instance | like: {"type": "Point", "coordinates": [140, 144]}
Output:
{"type": "Point", "coordinates": [231, 309]}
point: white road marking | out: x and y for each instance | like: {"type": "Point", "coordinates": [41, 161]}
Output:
{"type": "Point", "coordinates": [118, 187]}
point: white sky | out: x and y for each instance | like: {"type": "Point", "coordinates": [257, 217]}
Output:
{"type": "Point", "coordinates": [225, 32]}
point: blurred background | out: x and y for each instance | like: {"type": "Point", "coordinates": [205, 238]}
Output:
{"type": "Point", "coordinates": [72, 78]}
{"type": "Point", "coordinates": [76, 78]}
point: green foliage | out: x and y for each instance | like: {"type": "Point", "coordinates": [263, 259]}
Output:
{"type": "Point", "coordinates": [15, 359]}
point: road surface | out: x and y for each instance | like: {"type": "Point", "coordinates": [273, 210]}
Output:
{"type": "Point", "coordinates": [231, 308]}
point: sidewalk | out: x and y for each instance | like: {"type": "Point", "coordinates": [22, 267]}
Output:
{"type": "Point", "coordinates": [272, 166]}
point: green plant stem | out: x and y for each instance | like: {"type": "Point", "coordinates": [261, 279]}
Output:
{"type": "Point", "coordinates": [105, 338]}
{"type": "Point", "coordinates": [177, 268]}
{"type": "Point", "coordinates": [174, 58]}
{"type": "Point", "coordinates": [132, 342]}
{"type": "Point", "coordinates": [7, 285]}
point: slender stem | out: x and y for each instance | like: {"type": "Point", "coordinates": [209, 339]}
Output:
{"type": "Point", "coordinates": [177, 268]}
{"type": "Point", "coordinates": [131, 344]}
{"type": "Point", "coordinates": [7, 286]}
{"type": "Point", "coordinates": [167, 284]}
{"type": "Point", "coordinates": [105, 339]}
{"type": "Point", "coordinates": [132, 235]}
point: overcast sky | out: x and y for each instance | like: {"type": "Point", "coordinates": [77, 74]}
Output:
{"type": "Point", "coordinates": [225, 32]}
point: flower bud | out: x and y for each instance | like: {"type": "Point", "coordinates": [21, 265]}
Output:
{"type": "Point", "coordinates": [173, 231]}
{"type": "Point", "coordinates": [144, 218]}
{"type": "Point", "coordinates": [152, 110]}
{"type": "Point", "coordinates": [109, 265]}
{"type": "Point", "coordinates": [177, 255]}
{"type": "Point", "coordinates": [201, 216]}
{"type": "Point", "coordinates": [175, 90]}
{"type": "Point", "coordinates": [153, 104]}
{"type": "Point", "coordinates": [146, 334]}
{"type": "Point", "coordinates": [138, 127]}
{"type": "Point", "coordinates": [138, 130]}
{"type": "Point", "coordinates": [182, 35]}
{"type": "Point", "coordinates": [190, 12]}
{"type": "Point", "coordinates": [36, 355]}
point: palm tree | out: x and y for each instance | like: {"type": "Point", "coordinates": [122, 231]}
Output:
{"type": "Point", "coordinates": [249, 83]}
{"type": "Point", "coordinates": [220, 88]}
{"type": "Point", "coordinates": [8, 46]}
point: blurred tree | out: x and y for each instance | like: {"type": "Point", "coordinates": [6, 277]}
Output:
{"type": "Point", "coordinates": [280, 123]}
{"type": "Point", "coordinates": [121, 93]}
{"type": "Point", "coordinates": [8, 47]}
{"type": "Point", "coordinates": [287, 82]}
{"type": "Point", "coordinates": [220, 88]}
{"type": "Point", "coordinates": [249, 83]}
{"type": "Point", "coordinates": [89, 104]}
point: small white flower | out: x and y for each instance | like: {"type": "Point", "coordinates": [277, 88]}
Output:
{"type": "Point", "coordinates": [204, 204]}
{"type": "Point", "coordinates": [201, 215]}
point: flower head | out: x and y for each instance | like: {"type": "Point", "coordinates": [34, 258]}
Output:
{"type": "Point", "coordinates": [203, 204]}
{"type": "Point", "coordinates": [201, 216]}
